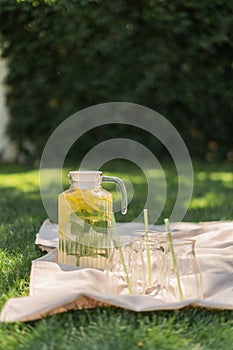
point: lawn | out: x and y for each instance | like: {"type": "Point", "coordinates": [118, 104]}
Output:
{"type": "Point", "coordinates": [107, 328]}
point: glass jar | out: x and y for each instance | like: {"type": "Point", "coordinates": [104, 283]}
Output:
{"type": "Point", "coordinates": [181, 278]}
{"type": "Point", "coordinates": [145, 264]}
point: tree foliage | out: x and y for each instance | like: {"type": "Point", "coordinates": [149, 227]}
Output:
{"type": "Point", "coordinates": [172, 56]}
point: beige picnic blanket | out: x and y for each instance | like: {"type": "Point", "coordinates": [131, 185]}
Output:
{"type": "Point", "coordinates": [58, 288]}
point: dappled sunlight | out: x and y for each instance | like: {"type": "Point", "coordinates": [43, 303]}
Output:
{"type": "Point", "coordinates": [225, 177]}
{"type": "Point", "coordinates": [22, 211]}
{"type": "Point", "coordinates": [210, 194]}
{"type": "Point", "coordinates": [211, 199]}
{"type": "Point", "coordinates": [25, 181]}
{"type": "Point", "coordinates": [208, 200]}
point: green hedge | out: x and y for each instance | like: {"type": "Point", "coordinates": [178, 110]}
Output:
{"type": "Point", "coordinates": [172, 56]}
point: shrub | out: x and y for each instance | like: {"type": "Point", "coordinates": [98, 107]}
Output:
{"type": "Point", "coordinates": [174, 57]}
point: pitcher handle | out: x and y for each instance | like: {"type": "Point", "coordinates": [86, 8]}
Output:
{"type": "Point", "coordinates": [121, 185]}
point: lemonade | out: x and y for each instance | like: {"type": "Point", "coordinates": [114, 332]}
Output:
{"type": "Point", "coordinates": [85, 227]}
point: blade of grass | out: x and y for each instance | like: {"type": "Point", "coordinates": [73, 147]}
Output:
{"type": "Point", "coordinates": [166, 221]}
{"type": "Point", "coordinates": [147, 246]}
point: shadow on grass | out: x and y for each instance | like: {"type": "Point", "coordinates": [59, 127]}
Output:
{"type": "Point", "coordinates": [12, 168]}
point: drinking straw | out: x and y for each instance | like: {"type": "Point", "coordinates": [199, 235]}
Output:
{"type": "Point", "coordinates": [166, 221]}
{"type": "Point", "coordinates": [122, 255]}
{"type": "Point", "coordinates": [147, 246]}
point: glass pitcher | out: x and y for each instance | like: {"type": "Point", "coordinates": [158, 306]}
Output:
{"type": "Point", "coordinates": [85, 219]}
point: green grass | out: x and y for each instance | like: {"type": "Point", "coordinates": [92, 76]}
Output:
{"type": "Point", "coordinates": [21, 215]}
